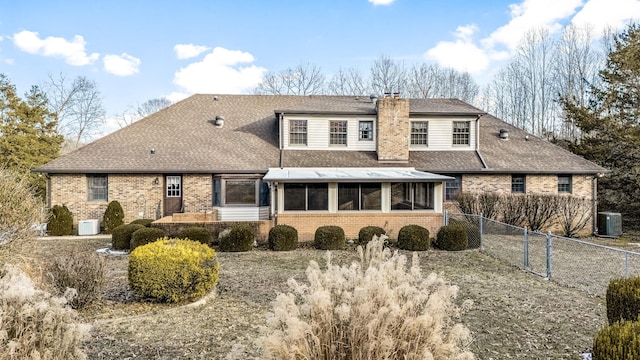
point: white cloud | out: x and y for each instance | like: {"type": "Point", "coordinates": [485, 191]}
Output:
{"type": "Point", "coordinates": [9, 61]}
{"type": "Point", "coordinates": [531, 14]}
{"type": "Point", "coordinates": [121, 65]}
{"type": "Point", "coordinates": [176, 96]}
{"type": "Point", "coordinates": [72, 51]}
{"type": "Point", "coordinates": [381, 2]}
{"type": "Point", "coordinates": [602, 14]}
{"type": "Point", "coordinates": [220, 72]}
{"type": "Point", "coordinates": [187, 51]}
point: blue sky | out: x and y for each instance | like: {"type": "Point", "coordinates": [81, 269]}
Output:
{"type": "Point", "coordinates": [138, 50]}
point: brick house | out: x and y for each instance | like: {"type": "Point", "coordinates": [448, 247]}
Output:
{"type": "Point", "coordinates": [309, 161]}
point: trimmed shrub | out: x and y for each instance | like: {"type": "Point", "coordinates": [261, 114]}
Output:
{"type": "Point", "coordinates": [329, 237]}
{"type": "Point", "coordinates": [60, 221]}
{"type": "Point", "coordinates": [36, 325]}
{"type": "Point", "coordinates": [366, 234]}
{"type": "Point", "coordinates": [620, 340]}
{"type": "Point", "coordinates": [240, 238]}
{"type": "Point", "coordinates": [143, 222]}
{"type": "Point", "coordinates": [413, 238]}
{"type": "Point", "coordinates": [113, 217]}
{"type": "Point", "coordinates": [623, 299]}
{"type": "Point", "coordinates": [380, 307]}
{"type": "Point", "coordinates": [121, 237]}
{"type": "Point", "coordinates": [172, 270]}
{"type": "Point", "coordinates": [472, 230]}
{"type": "Point", "coordinates": [80, 271]}
{"type": "Point", "coordinates": [283, 238]}
{"type": "Point", "coordinates": [145, 236]}
{"type": "Point", "coordinates": [452, 237]}
{"type": "Point", "coordinates": [196, 233]}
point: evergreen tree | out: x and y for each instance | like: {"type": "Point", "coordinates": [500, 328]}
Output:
{"type": "Point", "coordinates": [28, 136]}
{"type": "Point", "coordinates": [610, 124]}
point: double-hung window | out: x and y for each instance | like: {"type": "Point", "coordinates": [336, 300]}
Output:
{"type": "Point", "coordinates": [420, 133]}
{"type": "Point", "coordinates": [518, 184]}
{"type": "Point", "coordinates": [97, 188]}
{"type": "Point", "coordinates": [366, 130]}
{"type": "Point", "coordinates": [452, 188]}
{"type": "Point", "coordinates": [564, 184]}
{"type": "Point", "coordinates": [461, 132]}
{"type": "Point", "coordinates": [297, 132]}
{"type": "Point", "coordinates": [337, 132]}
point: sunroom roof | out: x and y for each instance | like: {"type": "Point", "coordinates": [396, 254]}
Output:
{"type": "Point", "coordinates": [351, 174]}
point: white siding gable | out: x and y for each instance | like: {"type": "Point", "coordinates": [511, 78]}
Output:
{"type": "Point", "coordinates": [318, 133]}
{"type": "Point", "coordinates": [441, 134]}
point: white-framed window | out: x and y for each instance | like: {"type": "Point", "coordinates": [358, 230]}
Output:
{"type": "Point", "coordinates": [297, 132]}
{"type": "Point", "coordinates": [355, 196]}
{"type": "Point", "coordinates": [461, 132]}
{"type": "Point", "coordinates": [337, 132]}
{"type": "Point", "coordinates": [174, 186]}
{"type": "Point", "coordinates": [564, 184]}
{"type": "Point", "coordinates": [518, 184]}
{"type": "Point", "coordinates": [303, 197]}
{"type": "Point", "coordinates": [97, 188]}
{"type": "Point", "coordinates": [412, 196]}
{"type": "Point", "coordinates": [452, 188]}
{"type": "Point", "coordinates": [420, 133]}
{"type": "Point", "coordinates": [365, 130]}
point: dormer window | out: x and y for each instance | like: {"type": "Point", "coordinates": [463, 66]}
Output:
{"type": "Point", "coordinates": [297, 132]}
{"type": "Point", "coordinates": [337, 132]}
{"type": "Point", "coordinates": [461, 132]}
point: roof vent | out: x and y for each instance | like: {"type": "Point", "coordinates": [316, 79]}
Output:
{"type": "Point", "coordinates": [374, 99]}
{"type": "Point", "coordinates": [504, 134]}
{"type": "Point", "coordinates": [215, 98]}
{"type": "Point", "coordinates": [219, 121]}
{"type": "Point", "coordinates": [152, 151]}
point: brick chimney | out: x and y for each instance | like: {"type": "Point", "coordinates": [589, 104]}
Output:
{"type": "Point", "coordinates": [393, 129]}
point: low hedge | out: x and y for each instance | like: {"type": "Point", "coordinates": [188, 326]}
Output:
{"type": "Point", "coordinates": [172, 270]}
{"type": "Point", "coordinates": [143, 222]}
{"type": "Point", "coordinates": [618, 341]}
{"type": "Point", "coordinates": [121, 236]}
{"type": "Point", "coordinates": [329, 237]}
{"type": "Point", "coordinates": [240, 238]}
{"type": "Point", "coordinates": [145, 236]}
{"type": "Point", "coordinates": [623, 299]}
{"type": "Point", "coordinates": [283, 238]}
{"type": "Point", "coordinates": [196, 233]}
{"type": "Point", "coordinates": [60, 221]}
{"type": "Point", "coordinates": [413, 238]}
{"type": "Point", "coordinates": [368, 232]}
{"type": "Point", "coordinates": [452, 237]}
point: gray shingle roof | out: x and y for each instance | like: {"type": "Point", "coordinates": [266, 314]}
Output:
{"type": "Point", "coordinates": [186, 141]}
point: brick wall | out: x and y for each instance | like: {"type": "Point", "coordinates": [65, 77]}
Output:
{"type": "Point", "coordinates": [307, 223]}
{"type": "Point", "coordinates": [393, 130]}
{"type": "Point", "coordinates": [197, 192]}
{"type": "Point", "coordinates": [536, 184]}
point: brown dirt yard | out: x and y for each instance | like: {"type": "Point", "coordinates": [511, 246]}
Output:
{"type": "Point", "coordinates": [516, 315]}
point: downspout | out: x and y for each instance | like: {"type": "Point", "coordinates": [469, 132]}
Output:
{"type": "Point", "coordinates": [484, 163]}
{"type": "Point", "coordinates": [280, 140]}
{"type": "Point", "coordinates": [594, 203]}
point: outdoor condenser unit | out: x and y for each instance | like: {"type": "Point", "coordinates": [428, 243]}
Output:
{"type": "Point", "coordinates": [88, 227]}
{"type": "Point", "coordinates": [609, 224]}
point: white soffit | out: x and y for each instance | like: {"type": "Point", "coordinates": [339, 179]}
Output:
{"type": "Point", "coordinates": [351, 175]}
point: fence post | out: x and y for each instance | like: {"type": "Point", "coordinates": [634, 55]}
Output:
{"type": "Point", "coordinates": [445, 218]}
{"type": "Point", "coordinates": [549, 256]}
{"type": "Point", "coordinates": [526, 249]}
{"type": "Point", "coordinates": [626, 264]}
{"type": "Point", "coordinates": [481, 232]}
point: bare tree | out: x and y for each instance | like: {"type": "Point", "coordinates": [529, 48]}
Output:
{"type": "Point", "coordinates": [348, 82]}
{"type": "Point", "coordinates": [303, 79]}
{"type": "Point", "coordinates": [574, 214]}
{"type": "Point", "coordinates": [388, 76]}
{"type": "Point", "coordinates": [152, 106]}
{"type": "Point", "coordinates": [432, 81]}
{"type": "Point", "coordinates": [78, 105]}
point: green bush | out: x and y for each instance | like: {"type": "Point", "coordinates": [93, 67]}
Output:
{"type": "Point", "coordinates": [366, 234]}
{"type": "Point", "coordinates": [121, 237]}
{"type": "Point", "coordinates": [172, 270]}
{"type": "Point", "coordinates": [240, 238]}
{"type": "Point", "coordinates": [113, 217]}
{"type": "Point", "coordinates": [329, 238]}
{"type": "Point", "coordinates": [452, 237]}
{"type": "Point", "coordinates": [60, 221]}
{"type": "Point", "coordinates": [283, 238]}
{"type": "Point", "coordinates": [472, 230]}
{"type": "Point", "coordinates": [83, 272]}
{"type": "Point", "coordinates": [620, 340]}
{"type": "Point", "coordinates": [145, 236]}
{"type": "Point", "coordinates": [196, 233]}
{"type": "Point", "coordinates": [143, 222]}
{"type": "Point", "coordinates": [623, 299]}
{"type": "Point", "coordinates": [413, 238]}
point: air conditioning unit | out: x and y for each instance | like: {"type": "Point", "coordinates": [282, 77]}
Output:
{"type": "Point", "coordinates": [609, 224]}
{"type": "Point", "coordinates": [88, 227]}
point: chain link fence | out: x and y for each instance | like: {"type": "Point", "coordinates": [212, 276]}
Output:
{"type": "Point", "coordinates": [570, 262]}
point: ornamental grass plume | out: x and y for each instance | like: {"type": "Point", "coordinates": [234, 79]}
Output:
{"type": "Point", "coordinates": [34, 324]}
{"type": "Point", "coordinates": [378, 308]}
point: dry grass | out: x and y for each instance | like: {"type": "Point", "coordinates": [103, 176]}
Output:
{"type": "Point", "coordinates": [515, 314]}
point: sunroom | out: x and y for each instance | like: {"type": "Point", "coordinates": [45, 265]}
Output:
{"type": "Point", "coordinates": [354, 190]}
